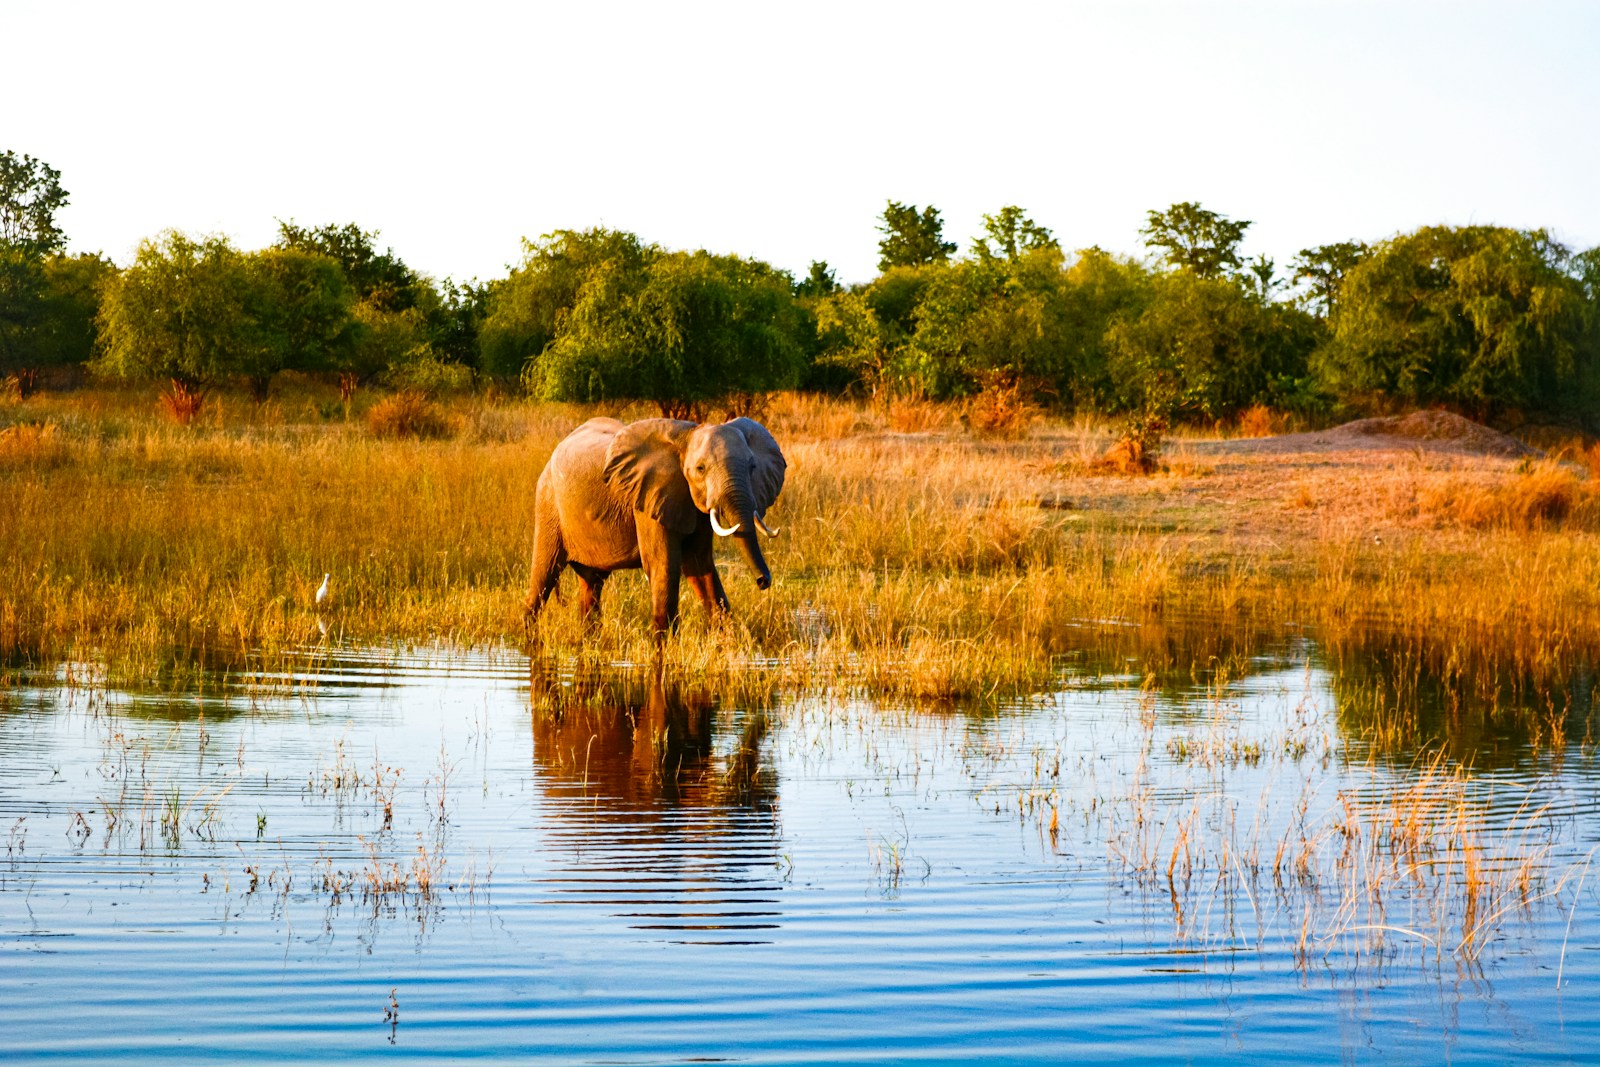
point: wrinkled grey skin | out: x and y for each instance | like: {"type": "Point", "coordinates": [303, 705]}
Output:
{"type": "Point", "coordinates": [616, 496]}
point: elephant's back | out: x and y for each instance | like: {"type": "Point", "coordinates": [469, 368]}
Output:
{"type": "Point", "coordinates": [581, 455]}
{"type": "Point", "coordinates": [597, 527]}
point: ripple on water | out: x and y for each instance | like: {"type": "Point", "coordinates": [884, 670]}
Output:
{"type": "Point", "coordinates": [615, 867]}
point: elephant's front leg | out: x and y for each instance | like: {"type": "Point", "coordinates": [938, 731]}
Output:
{"type": "Point", "coordinates": [700, 568]}
{"type": "Point", "coordinates": [593, 582]}
{"type": "Point", "coordinates": [661, 553]}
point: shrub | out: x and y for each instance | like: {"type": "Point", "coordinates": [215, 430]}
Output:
{"type": "Point", "coordinates": [1258, 420]}
{"type": "Point", "coordinates": [1139, 449]}
{"type": "Point", "coordinates": [1001, 409]}
{"type": "Point", "coordinates": [182, 401]}
{"type": "Point", "coordinates": [407, 414]}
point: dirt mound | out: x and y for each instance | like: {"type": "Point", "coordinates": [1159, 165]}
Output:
{"type": "Point", "coordinates": [1441, 426]}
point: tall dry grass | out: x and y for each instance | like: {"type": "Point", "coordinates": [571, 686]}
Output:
{"type": "Point", "coordinates": [929, 566]}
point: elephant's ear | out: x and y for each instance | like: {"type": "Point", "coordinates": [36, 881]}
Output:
{"type": "Point", "coordinates": [766, 473]}
{"type": "Point", "coordinates": [645, 464]}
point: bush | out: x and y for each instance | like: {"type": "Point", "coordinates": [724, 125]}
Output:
{"type": "Point", "coordinates": [407, 414]}
{"type": "Point", "coordinates": [1258, 420]}
{"type": "Point", "coordinates": [1002, 408]}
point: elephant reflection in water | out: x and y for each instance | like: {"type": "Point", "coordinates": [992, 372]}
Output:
{"type": "Point", "coordinates": [644, 812]}
{"type": "Point", "coordinates": [631, 740]}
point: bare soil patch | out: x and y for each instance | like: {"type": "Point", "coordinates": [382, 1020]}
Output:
{"type": "Point", "coordinates": [1436, 431]}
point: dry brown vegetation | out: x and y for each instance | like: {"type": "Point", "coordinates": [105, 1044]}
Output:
{"type": "Point", "coordinates": [930, 563]}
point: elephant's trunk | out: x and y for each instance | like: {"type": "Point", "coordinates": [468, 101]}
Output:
{"type": "Point", "coordinates": [735, 506]}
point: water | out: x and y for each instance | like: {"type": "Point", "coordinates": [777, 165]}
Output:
{"type": "Point", "coordinates": [444, 856]}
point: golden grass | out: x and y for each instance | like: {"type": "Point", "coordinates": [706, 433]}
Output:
{"type": "Point", "coordinates": [930, 567]}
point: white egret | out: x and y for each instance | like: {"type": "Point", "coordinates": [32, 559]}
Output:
{"type": "Point", "coordinates": [322, 591]}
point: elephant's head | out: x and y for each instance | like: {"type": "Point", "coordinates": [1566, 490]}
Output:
{"type": "Point", "coordinates": [674, 470]}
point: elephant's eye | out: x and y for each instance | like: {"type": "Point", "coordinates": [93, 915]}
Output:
{"type": "Point", "coordinates": [700, 468]}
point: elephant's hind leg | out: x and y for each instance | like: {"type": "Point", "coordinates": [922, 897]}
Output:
{"type": "Point", "coordinates": [549, 556]}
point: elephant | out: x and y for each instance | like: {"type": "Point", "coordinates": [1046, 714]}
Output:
{"type": "Point", "coordinates": [648, 494]}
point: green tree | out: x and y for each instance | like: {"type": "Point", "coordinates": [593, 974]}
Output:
{"type": "Point", "coordinates": [399, 313]}
{"type": "Point", "coordinates": [1585, 268]}
{"type": "Point", "coordinates": [180, 312]}
{"type": "Point", "coordinates": [524, 313]}
{"type": "Point", "coordinates": [30, 196]}
{"type": "Point", "coordinates": [689, 329]}
{"type": "Point", "coordinates": [1013, 235]}
{"type": "Point", "coordinates": [301, 312]}
{"type": "Point", "coordinates": [852, 338]}
{"type": "Point", "coordinates": [911, 238]}
{"type": "Point", "coordinates": [1482, 317]}
{"type": "Point", "coordinates": [986, 318]}
{"type": "Point", "coordinates": [818, 282]}
{"type": "Point", "coordinates": [1322, 269]}
{"type": "Point", "coordinates": [58, 321]}
{"type": "Point", "coordinates": [463, 308]}
{"type": "Point", "coordinates": [1206, 347]}
{"type": "Point", "coordinates": [1099, 289]}
{"type": "Point", "coordinates": [22, 305]}
{"type": "Point", "coordinates": [379, 279]}
{"type": "Point", "coordinates": [1194, 239]}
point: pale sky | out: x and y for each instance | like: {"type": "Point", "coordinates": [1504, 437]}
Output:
{"type": "Point", "coordinates": [779, 130]}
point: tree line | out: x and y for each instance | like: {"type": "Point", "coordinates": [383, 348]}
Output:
{"type": "Point", "coordinates": [1496, 322]}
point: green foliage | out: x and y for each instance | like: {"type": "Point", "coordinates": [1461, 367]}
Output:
{"type": "Point", "coordinates": [986, 316]}
{"type": "Point", "coordinates": [48, 306]}
{"type": "Point", "coordinates": [376, 278]}
{"type": "Point", "coordinates": [1585, 269]}
{"type": "Point", "coordinates": [818, 282]}
{"type": "Point", "coordinates": [1100, 289]}
{"type": "Point", "coordinates": [67, 331]}
{"type": "Point", "coordinates": [22, 301]}
{"type": "Point", "coordinates": [1206, 347]}
{"type": "Point", "coordinates": [181, 311]}
{"type": "Point", "coordinates": [853, 338]}
{"type": "Point", "coordinates": [301, 312]}
{"type": "Point", "coordinates": [1323, 269]}
{"type": "Point", "coordinates": [524, 313]}
{"type": "Point", "coordinates": [399, 317]}
{"type": "Point", "coordinates": [679, 329]}
{"type": "Point", "coordinates": [30, 196]}
{"type": "Point", "coordinates": [895, 295]}
{"type": "Point", "coordinates": [865, 332]}
{"type": "Point", "coordinates": [198, 311]}
{"type": "Point", "coordinates": [1013, 235]}
{"type": "Point", "coordinates": [463, 307]}
{"type": "Point", "coordinates": [1483, 317]}
{"type": "Point", "coordinates": [1196, 240]}
{"type": "Point", "coordinates": [911, 238]}
{"type": "Point", "coordinates": [385, 341]}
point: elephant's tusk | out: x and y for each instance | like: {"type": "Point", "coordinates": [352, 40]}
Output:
{"type": "Point", "coordinates": [722, 531]}
{"type": "Point", "coordinates": [764, 528]}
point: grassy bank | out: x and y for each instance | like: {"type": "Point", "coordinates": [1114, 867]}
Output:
{"type": "Point", "coordinates": [924, 564]}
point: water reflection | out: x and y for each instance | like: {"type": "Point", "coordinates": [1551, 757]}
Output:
{"type": "Point", "coordinates": [1398, 695]}
{"type": "Point", "coordinates": [662, 808]}
{"type": "Point", "coordinates": [1395, 695]}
